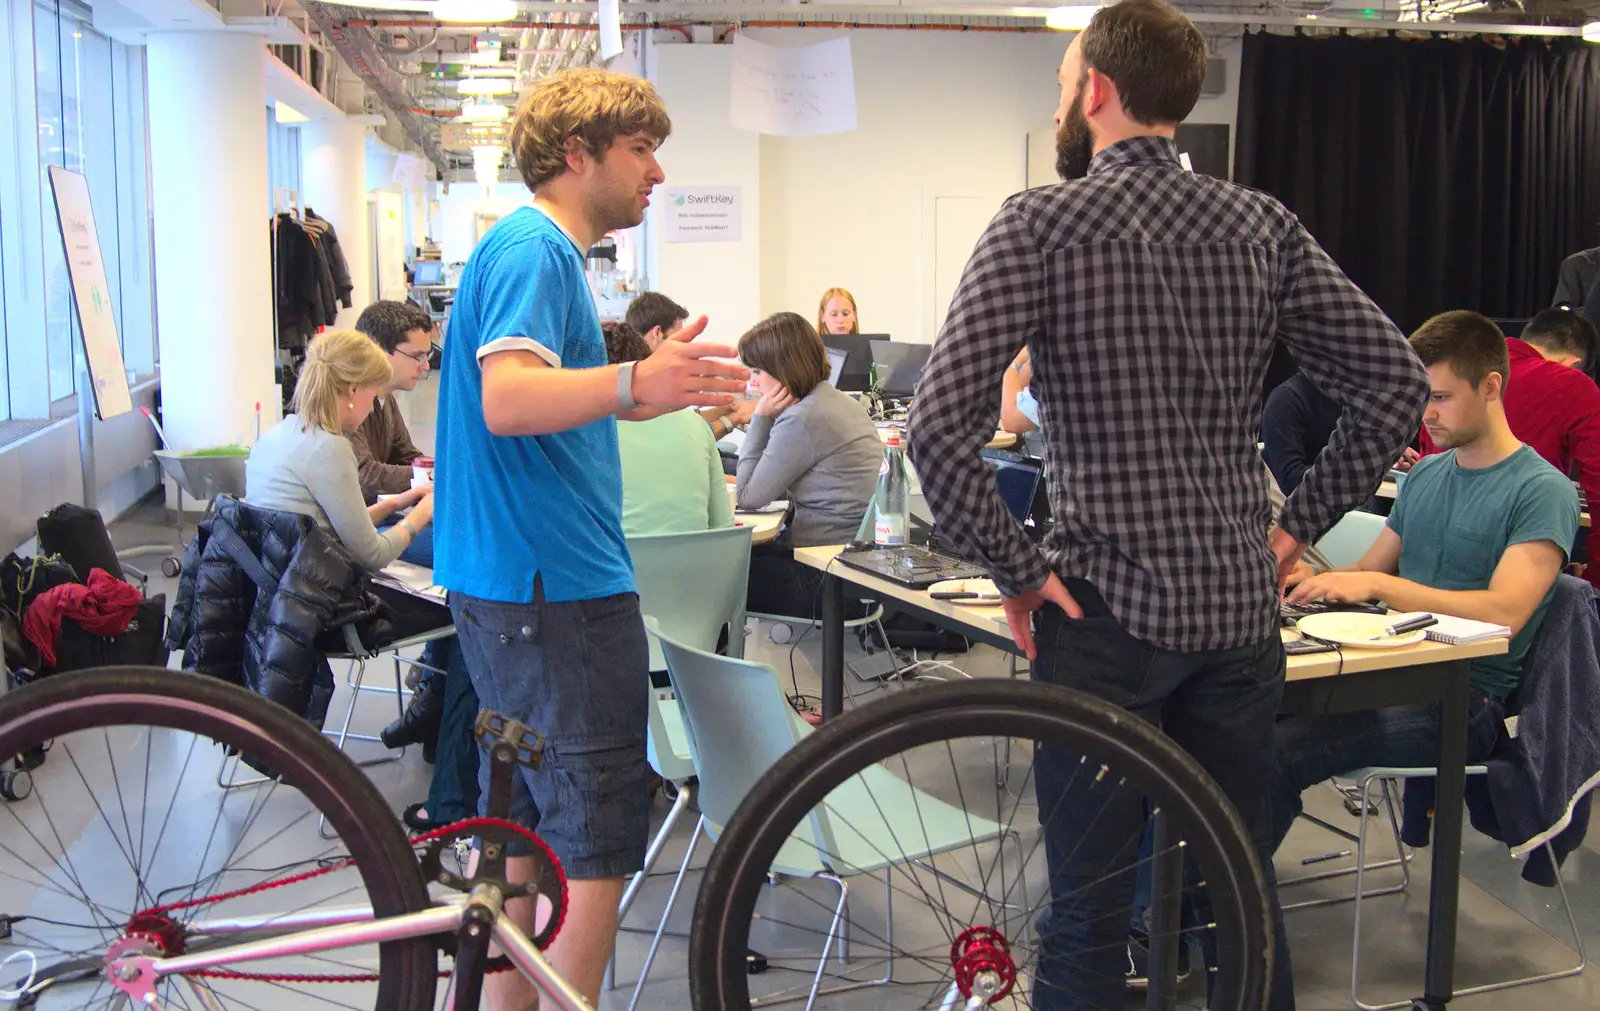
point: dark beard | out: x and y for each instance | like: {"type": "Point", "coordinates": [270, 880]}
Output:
{"type": "Point", "coordinates": [1074, 145]}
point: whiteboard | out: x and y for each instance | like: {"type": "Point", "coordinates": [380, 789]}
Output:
{"type": "Point", "coordinates": [92, 295]}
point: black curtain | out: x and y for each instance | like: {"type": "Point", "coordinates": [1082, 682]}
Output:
{"type": "Point", "coordinates": [1440, 174]}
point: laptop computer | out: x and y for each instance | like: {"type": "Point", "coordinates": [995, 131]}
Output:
{"type": "Point", "coordinates": [899, 366]}
{"type": "Point", "coordinates": [857, 373]}
{"type": "Point", "coordinates": [836, 360]}
{"type": "Point", "coordinates": [1017, 478]}
{"type": "Point", "coordinates": [427, 272]}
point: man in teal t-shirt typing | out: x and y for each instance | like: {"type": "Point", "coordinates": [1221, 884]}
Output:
{"type": "Point", "coordinates": [528, 500]}
{"type": "Point", "coordinates": [1479, 532]}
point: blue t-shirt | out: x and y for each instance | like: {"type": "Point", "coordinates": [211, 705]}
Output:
{"type": "Point", "coordinates": [1454, 524]}
{"type": "Point", "coordinates": [510, 508]}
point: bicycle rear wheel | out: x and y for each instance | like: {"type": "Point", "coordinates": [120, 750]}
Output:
{"type": "Point", "coordinates": [914, 803]}
{"type": "Point", "coordinates": [128, 844]}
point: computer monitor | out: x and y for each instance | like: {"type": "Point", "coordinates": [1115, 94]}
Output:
{"type": "Point", "coordinates": [836, 360]}
{"type": "Point", "coordinates": [427, 272]}
{"type": "Point", "coordinates": [1018, 480]}
{"type": "Point", "coordinates": [856, 376]}
{"type": "Point", "coordinates": [899, 366]}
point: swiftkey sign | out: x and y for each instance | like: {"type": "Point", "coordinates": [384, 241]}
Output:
{"type": "Point", "coordinates": [701, 214]}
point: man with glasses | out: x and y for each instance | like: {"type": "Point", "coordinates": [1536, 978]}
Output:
{"type": "Point", "coordinates": [384, 450]}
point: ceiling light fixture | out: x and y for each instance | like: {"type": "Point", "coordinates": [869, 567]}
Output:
{"type": "Point", "coordinates": [486, 164]}
{"type": "Point", "coordinates": [1070, 19]}
{"type": "Point", "coordinates": [486, 86]}
{"type": "Point", "coordinates": [475, 12]}
{"type": "Point", "coordinates": [1591, 32]}
{"type": "Point", "coordinates": [483, 112]}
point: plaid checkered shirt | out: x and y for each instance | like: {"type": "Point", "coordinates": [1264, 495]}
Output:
{"type": "Point", "coordinates": [1150, 298]}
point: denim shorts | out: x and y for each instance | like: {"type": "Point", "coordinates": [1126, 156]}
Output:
{"type": "Point", "coordinates": [577, 673]}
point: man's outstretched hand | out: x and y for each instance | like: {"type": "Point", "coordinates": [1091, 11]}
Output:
{"type": "Point", "coordinates": [1019, 610]}
{"type": "Point", "coordinates": [684, 374]}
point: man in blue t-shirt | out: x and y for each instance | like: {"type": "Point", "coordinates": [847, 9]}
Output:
{"type": "Point", "coordinates": [1480, 531]}
{"type": "Point", "coordinates": [528, 497]}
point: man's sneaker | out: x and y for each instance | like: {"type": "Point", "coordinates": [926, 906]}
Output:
{"type": "Point", "coordinates": [1139, 960]}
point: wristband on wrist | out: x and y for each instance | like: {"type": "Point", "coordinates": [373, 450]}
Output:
{"type": "Point", "coordinates": [625, 401]}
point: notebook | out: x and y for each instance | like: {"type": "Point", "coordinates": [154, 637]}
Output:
{"type": "Point", "coordinates": [1453, 631]}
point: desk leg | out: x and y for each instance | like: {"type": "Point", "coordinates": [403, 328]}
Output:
{"type": "Point", "coordinates": [832, 646]}
{"type": "Point", "coordinates": [1166, 905]}
{"type": "Point", "coordinates": [1444, 891]}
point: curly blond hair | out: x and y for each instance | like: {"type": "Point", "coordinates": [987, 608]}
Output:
{"type": "Point", "coordinates": [595, 106]}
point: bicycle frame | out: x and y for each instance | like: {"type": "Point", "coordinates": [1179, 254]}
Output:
{"type": "Point", "coordinates": [342, 927]}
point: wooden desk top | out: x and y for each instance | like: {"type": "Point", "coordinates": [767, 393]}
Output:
{"type": "Point", "coordinates": [1002, 438]}
{"type": "Point", "coordinates": [1390, 491]}
{"type": "Point", "coordinates": [763, 526]}
{"type": "Point", "coordinates": [992, 621]}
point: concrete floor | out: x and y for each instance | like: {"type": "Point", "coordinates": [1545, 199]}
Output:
{"type": "Point", "coordinates": [1503, 921]}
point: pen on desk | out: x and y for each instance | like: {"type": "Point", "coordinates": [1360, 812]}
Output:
{"type": "Point", "coordinates": [1412, 624]}
{"type": "Point", "coordinates": [1308, 861]}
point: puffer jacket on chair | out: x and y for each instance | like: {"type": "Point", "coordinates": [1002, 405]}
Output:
{"type": "Point", "coordinates": [262, 601]}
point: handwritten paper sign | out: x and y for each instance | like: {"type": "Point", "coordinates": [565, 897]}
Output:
{"type": "Point", "coordinates": [702, 214]}
{"type": "Point", "coordinates": [610, 29]}
{"type": "Point", "coordinates": [87, 272]}
{"type": "Point", "coordinates": [793, 91]}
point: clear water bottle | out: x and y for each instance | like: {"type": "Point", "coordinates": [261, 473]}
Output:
{"type": "Point", "coordinates": [890, 512]}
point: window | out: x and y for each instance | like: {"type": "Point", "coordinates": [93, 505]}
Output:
{"type": "Point", "coordinates": [283, 162]}
{"type": "Point", "coordinates": [90, 102]}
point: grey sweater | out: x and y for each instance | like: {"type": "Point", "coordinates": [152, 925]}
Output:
{"type": "Point", "coordinates": [823, 454]}
{"type": "Point", "coordinates": [304, 469]}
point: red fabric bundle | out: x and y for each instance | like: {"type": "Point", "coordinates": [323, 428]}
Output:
{"type": "Point", "coordinates": [104, 606]}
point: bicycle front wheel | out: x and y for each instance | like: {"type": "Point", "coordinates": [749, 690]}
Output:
{"type": "Point", "coordinates": [926, 811]}
{"type": "Point", "coordinates": [129, 847]}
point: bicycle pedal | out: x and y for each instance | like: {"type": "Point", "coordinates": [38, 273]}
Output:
{"type": "Point", "coordinates": [494, 728]}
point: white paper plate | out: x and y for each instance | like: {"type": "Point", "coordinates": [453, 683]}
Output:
{"type": "Point", "coordinates": [1355, 630]}
{"type": "Point", "coordinates": [982, 587]}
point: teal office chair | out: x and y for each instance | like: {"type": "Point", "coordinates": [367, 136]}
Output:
{"type": "Point", "coordinates": [1351, 537]}
{"type": "Point", "coordinates": [692, 586]}
{"type": "Point", "coordinates": [738, 725]}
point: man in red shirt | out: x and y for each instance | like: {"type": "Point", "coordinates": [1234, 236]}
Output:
{"type": "Point", "coordinates": [1554, 407]}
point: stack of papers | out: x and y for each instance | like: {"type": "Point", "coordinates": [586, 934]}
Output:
{"type": "Point", "coordinates": [1454, 631]}
{"type": "Point", "coordinates": [413, 579]}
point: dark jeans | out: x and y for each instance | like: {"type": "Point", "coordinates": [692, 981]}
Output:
{"type": "Point", "coordinates": [1219, 706]}
{"type": "Point", "coordinates": [1313, 748]}
{"type": "Point", "coordinates": [453, 793]}
{"type": "Point", "coordinates": [780, 585]}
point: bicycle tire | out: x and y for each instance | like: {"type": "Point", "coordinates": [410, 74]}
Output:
{"type": "Point", "coordinates": [842, 747]}
{"type": "Point", "coordinates": [158, 697]}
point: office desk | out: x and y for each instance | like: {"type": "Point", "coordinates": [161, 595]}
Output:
{"type": "Point", "coordinates": [1388, 490]}
{"type": "Point", "coordinates": [1002, 439]}
{"type": "Point", "coordinates": [763, 526]}
{"type": "Point", "coordinates": [1317, 684]}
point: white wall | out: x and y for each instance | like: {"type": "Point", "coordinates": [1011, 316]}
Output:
{"type": "Point", "coordinates": [890, 210]}
{"type": "Point", "coordinates": [721, 280]}
{"type": "Point", "coordinates": [453, 222]}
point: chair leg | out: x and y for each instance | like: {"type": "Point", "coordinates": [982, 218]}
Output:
{"type": "Point", "coordinates": [354, 680]}
{"type": "Point", "coordinates": [1402, 859]}
{"type": "Point", "coordinates": [672, 898]}
{"type": "Point", "coordinates": [1545, 977]}
{"type": "Point", "coordinates": [651, 855]}
{"type": "Point", "coordinates": [833, 928]}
